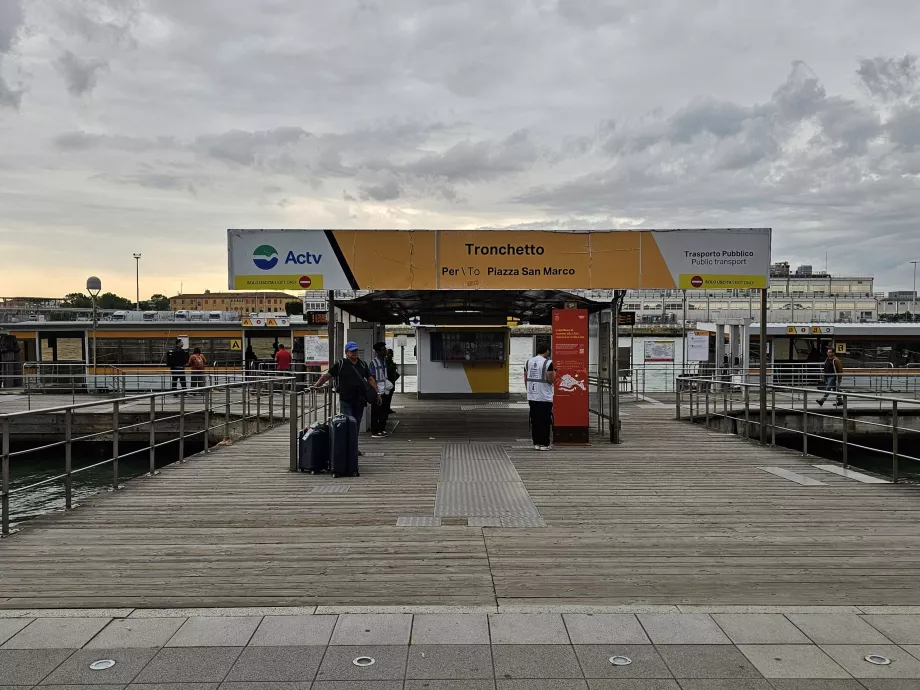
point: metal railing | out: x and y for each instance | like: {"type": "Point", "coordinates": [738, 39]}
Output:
{"type": "Point", "coordinates": [707, 399]}
{"type": "Point", "coordinates": [235, 409]}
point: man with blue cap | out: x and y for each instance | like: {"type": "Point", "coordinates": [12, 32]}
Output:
{"type": "Point", "coordinates": [352, 376]}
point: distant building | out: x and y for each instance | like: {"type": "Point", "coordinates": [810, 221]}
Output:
{"type": "Point", "coordinates": [803, 271]}
{"type": "Point", "coordinates": [902, 295]}
{"type": "Point", "coordinates": [241, 302]}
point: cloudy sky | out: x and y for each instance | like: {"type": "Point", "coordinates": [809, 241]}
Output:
{"type": "Point", "coordinates": [153, 125]}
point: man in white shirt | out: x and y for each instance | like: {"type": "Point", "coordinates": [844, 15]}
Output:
{"type": "Point", "coordinates": [539, 377]}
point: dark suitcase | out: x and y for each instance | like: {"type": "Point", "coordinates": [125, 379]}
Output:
{"type": "Point", "coordinates": [343, 446]}
{"type": "Point", "coordinates": [313, 449]}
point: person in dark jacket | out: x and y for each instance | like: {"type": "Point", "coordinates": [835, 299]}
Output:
{"type": "Point", "coordinates": [392, 376]}
{"type": "Point", "coordinates": [176, 360]}
{"type": "Point", "coordinates": [833, 371]}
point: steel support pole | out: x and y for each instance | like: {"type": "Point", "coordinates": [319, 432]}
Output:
{"type": "Point", "coordinates": [293, 430]}
{"type": "Point", "coordinates": [894, 441]}
{"type": "Point", "coordinates": [207, 419]}
{"type": "Point", "coordinates": [615, 367]}
{"type": "Point", "coordinates": [153, 436]}
{"type": "Point", "coordinates": [5, 480]}
{"type": "Point", "coordinates": [182, 426]}
{"type": "Point", "coordinates": [115, 452]}
{"type": "Point", "coordinates": [763, 366]}
{"type": "Point", "coordinates": [68, 459]}
{"type": "Point", "coordinates": [846, 461]}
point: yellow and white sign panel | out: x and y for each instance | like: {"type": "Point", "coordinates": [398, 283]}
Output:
{"type": "Point", "coordinates": [736, 258]}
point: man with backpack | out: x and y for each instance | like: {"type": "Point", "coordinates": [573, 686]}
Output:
{"type": "Point", "coordinates": [176, 359]}
{"type": "Point", "coordinates": [352, 377]}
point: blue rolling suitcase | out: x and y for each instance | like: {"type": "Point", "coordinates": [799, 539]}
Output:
{"type": "Point", "coordinates": [343, 446]}
{"type": "Point", "coordinates": [313, 449]}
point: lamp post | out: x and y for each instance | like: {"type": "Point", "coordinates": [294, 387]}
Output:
{"type": "Point", "coordinates": [94, 287]}
{"type": "Point", "coordinates": [137, 261]}
{"type": "Point", "coordinates": [913, 299]}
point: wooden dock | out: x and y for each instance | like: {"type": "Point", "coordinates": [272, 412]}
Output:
{"type": "Point", "coordinates": [675, 515]}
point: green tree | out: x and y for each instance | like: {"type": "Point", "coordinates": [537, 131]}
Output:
{"type": "Point", "coordinates": [294, 308]}
{"type": "Point", "coordinates": [158, 302]}
{"type": "Point", "coordinates": [77, 300]}
{"type": "Point", "coordinates": [109, 300]}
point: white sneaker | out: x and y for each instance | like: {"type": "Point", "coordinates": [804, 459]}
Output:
{"type": "Point", "coordinates": [542, 447]}
{"type": "Point", "coordinates": [536, 447]}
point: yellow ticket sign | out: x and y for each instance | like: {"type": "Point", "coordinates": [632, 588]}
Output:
{"type": "Point", "coordinates": [727, 258]}
{"type": "Point", "coordinates": [841, 348]}
{"type": "Point", "coordinates": [247, 322]}
{"type": "Point", "coordinates": [236, 345]}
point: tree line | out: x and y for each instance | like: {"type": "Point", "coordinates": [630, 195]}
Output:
{"type": "Point", "coordinates": [109, 300]}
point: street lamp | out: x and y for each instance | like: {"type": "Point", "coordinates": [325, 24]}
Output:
{"type": "Point", "coordinates": [94, 287]}
{"type": "Point", "coordinates": [913, 299]}
{"type": "Point", "coordinates": [137, 259]}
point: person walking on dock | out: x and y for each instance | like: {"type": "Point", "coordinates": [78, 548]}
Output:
{"type": "Point", "coordinates": [197, 364]}
{"type": "Point", "coordinates": [379, 411]}
{"type": "Point", "coordinates": [352, 376]}
{"type": "Point", "coordinates": [833, 371]}
{"type": "Point", "coordinates": [176, 360]}
{"type": "Point", "coordinates": [539, 377]}
{"type": "Point", "coordinates": [282, 359]}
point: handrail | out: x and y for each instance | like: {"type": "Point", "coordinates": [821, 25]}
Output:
{"type": "Point", "coordinates": [706, 391]}
{"type": "Point", "coordinates": [224, 406]}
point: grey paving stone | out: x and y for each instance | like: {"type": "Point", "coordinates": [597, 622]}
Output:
{"type": "Point", "coordinates": [469, 628]}
{"type": "Point", "coordinates": [75, 687]}
{"type": "Point", "coordinates": [56, 633]}
{"type": "Point", "coordinates": [646, 662]}
{"type": "Point", "coordinates": [11, 626]}
{"type": "Point", "coordinates": [250, 685]}
{"type": "Point", "coordinates": [277, 664]}
{"type": "Point", "coordinates": [817, 684]}
{"type": "Point", "coordinates": [898, 629]}
{"type": "Point", "coordinates": [293, 631]}
{"type": "Point", "coordinates": [528, 628]}
{"type": "Point", "coordinates": [358, 685]}
{"type": "Point", "coordinates": [832, 628]}
{"type": "Point", "coordinates": [76, 670]}
{"type": "Point", "coordinates": [604, 628]}
{"type": "Point", "coordinates": [136, 633]}
{"type": "Point", "coordinates": [725, 684]}
{"type": "Point", "coordinates": [29, 666]}
{"type": "Point", "coordinates": [449, 662]}
{"type": "Point", "coordinates": [214, 631]}
{"type": "Point", "coordinates": [684, 628]}
{"type": "Point", "coordinates": [172, 686]}
{"type": "Point", "coordinates": [534, 684]}
{"type": "Point", "coordinates": [792, 661]}
{"type": "Point", "coordinates": [912, 649]}
{"type": "Point", "coordinates": [535, 661]}
{"type": "Point", "coordinates": [634, 684]}
{"type": "Point", "coordinates": [881, 684]}
{"type": "Point", "coordinates": [353, 629]}
{"type": "Point", "coordinates": [706, 661]}
{"type": "Point", "coordinates": [449, 685]}
{"type": "Point", "coordinates": [189, 665]}
{"type": "Point", "coordinates": [760, 628]}
{"type": "Point", "coordinates": [853, 659]}
{"type": "Point", "coordinates": [338, 663]}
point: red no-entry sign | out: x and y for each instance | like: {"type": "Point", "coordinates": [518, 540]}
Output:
{"type": "Point", "coordinates": [305, 282]}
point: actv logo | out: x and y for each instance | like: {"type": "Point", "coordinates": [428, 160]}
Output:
{"type": "Point", "coordinates": [265, 257]}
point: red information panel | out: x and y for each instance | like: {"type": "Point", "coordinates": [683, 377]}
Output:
{"type": "Point", "coordinates": [570, 360]}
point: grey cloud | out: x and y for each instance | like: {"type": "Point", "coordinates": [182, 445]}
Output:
{"type": "Point", "coordinates": [100, 21]}
{"type": "Point", "coordinates": [889, 77]}
{"type": "Point", "coordinates": [79, 74]}
{"type": "Point", "coordinates": [904, 127]}
{"type": "Point", "coordinates": [387, 191]}
{"type": "Point", "coordinates": [161, 181]}
{"type": "Point", "coordinates": [245, 148]}
{"type": "Point", "coordinates": [590, 15]}
{"type": "Point", "coordinates": [718, 118]}
{"type": "Point", "coordinates": [11, 21]}
{"type": "Point", "coordinates": [477, 161]}
{"type": "Point", "coordinates": [86, 141]}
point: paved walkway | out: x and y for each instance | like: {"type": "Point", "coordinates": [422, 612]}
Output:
{"type": "Point", "coordinates": [677, 515]}
{"type": "Point", "coordinates": [295, 649]}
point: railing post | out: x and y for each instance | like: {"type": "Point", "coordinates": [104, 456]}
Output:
{"type": "Point", "coordinates": [182, 426]}
{"type": "Point", "coordinates": [804, 422]}
{"type": "Point", "coordinates": [68, 459]}
{"type": "Point", "coordinates": [271, 403]}
{"type": "Point", "coordinates": [5, 480]}
{"type": "Point", "coordinates": [293, 430]}
{"type": "Point", "coordinates": [772, 416]}
{"type": "Point", "coordinates": [707, 407]}
{"type": "Point", "coordinates": [284, 398]}
{"type": "Point", "coordinates": [747, 411]}
{"type": "Point", "coordinates": [115, 424]}
{"type": "Point", "coordinates": [245, 408]}
{"type": "Point", "coordinates": [690, 393]}
{"type": "Point", "coordinates": [894, 441]}
{"type": "Point", "coordinates": [153, 436]}
{"type": "Point", "coordinates": [259, 407]}
{"type": "Point", "coordinates": [207, 419]}
{"type": "Point", "coordinates": [227, 413]}
{"type": "Point", "coordinates": [677, 397]}
{"type": "Point", "coordinates": [846, 461]}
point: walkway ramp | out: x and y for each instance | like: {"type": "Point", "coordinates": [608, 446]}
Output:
{"type": "Point", "coordinates": [675, 515]}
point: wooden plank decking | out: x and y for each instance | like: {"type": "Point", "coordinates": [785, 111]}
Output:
{"type": "Point", "coordinates": [676, 515]}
